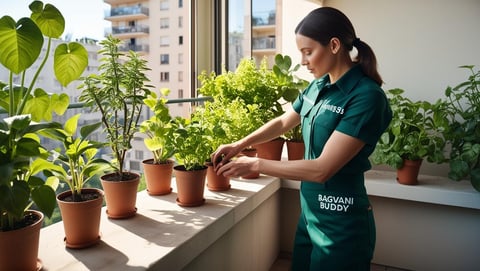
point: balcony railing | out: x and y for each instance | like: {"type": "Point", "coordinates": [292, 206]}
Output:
{"type": "Point", "coordinates": [116, 30]}
{"type": "Point", "coordinates": [134, 47]}
{"type": "Point", "coordinates": [125, 11]}
{"type": "Point", "coordinates": [263, 43]}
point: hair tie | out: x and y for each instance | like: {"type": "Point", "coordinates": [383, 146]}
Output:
{"type": "Point", "coordinates": [355, 42]}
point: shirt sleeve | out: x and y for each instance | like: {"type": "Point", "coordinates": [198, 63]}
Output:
{"type": "Point", "coordinates": [367, 116]}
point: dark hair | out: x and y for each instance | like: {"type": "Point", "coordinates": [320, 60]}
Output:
{"type": "Point", "coordinates": [325, 23]}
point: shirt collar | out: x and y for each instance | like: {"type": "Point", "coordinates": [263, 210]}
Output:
{"type": "Point", "coordinates": [347, 82]}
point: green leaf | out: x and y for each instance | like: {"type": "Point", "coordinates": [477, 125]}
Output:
{"type": "Point", "coordinates": [59, 103]}
{"type": "Point", "coordinates": [44, 198]}
{"type": "Point", "coordinates": [20, 43]}
{"type": "Point", "coordinates": [86, 130]}
{"type": "Point", "coordinates": [71, 125]}
{"type": "Point", "coordinates": [49, 19]}
{"type": "Point", "coordinates": [70, 60]}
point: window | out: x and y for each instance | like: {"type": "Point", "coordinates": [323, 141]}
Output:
{"type": "Point", "coordinates": [180, 77]}
{"type": "Point", "coordinates": [180, 58]}
{"type": "Point", "coordinates": [180, 96]}
{"type": "Point", "coordinates": [164, 41]}
{"type": "Point", "coordinates": [180, 22]}
{"type": "Point", "coordinates": [180, 3]}
{"type": "Point", "coordinates": [180, 40]}
{"type": "Point", "coordinates": [164, 76]}
{"type": "Point", "coordinates": [164, 59]}
{"type": "Point", "coordinates": [164, 4]}
{"type": "Point", "coordinates": [138, 155]}
{"type": "Point", "coordinates": [164, 23]}
{"type": "Point", "coordinates": [134, 166]}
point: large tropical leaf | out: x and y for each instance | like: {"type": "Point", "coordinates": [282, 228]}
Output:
{"type": "Point", "coordinates": [20, 43]}
{"type": "Point", "coordinates": [49, 19]}
{"type": "Point", "coordinates": [70, 60]}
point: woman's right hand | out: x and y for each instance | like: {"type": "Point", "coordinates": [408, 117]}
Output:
{"type": "Point", "coordinates": [224, 153]}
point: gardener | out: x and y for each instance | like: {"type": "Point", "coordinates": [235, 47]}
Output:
{"type": "Point", "coordinates": [343, 112]}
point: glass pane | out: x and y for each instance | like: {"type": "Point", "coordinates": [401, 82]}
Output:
{"type": "Point", "coordinates": [238, 43]}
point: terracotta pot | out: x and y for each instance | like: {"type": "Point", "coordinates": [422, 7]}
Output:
{"type": "Point", "coordinates": [295, 150]}
{"type": "Point", "coordinates": [250, 153]}
{"type": "Point", "coordinates": [408, 173]}
{"type": "Point", "coordinates": [190, 186]}
{"type": "Point", "coordinates": [19, 248]}
{"type": "Point", "coordinates": [158, 177]}
{"type": "Point", "coordinates": [120, 196]}
{"type": "Point", "coordinates": [216, 182]}
{"type": "Point", "coordinates": [271, 150]}
{"type": "Point", "coordinates": [81, 220]}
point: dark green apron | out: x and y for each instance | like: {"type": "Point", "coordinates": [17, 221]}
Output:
{"type": "Point", "coordinates": [336, 230]}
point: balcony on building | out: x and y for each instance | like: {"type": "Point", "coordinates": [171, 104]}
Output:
{"type": "Point", "coordinates": [117, 2]}
{"type": "Point", "coordinates": [128, 13]}
{"type": "Point", "coordinates": [134, 31]}
{"type": "Point", "coordinates": [139, 48]}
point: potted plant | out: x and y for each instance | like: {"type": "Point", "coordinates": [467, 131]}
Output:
{"type": "Point", "coordinates": [76, 164]}
{"type": "Point", "coordinates": [22, 156]}
{"type": "Point", "coordinates": [191, 154]}
{"type": "Point", "coordinates": [412, 136]}
{"type": "Point", "coordinates": [117, 92]}
{"type": "Point", "coordinates": [463, 128]}
{"type": "Point", "coordinates": [290, 86]}
{"type": "Point", "coordinates": [254, 86]}
{"type": "Point", "coordinates": [215, 120]}
{"type": "Point", "coordinates": [160, 140]}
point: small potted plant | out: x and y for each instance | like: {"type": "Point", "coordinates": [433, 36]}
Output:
{"type": "Point", "coordinates": [192, 152]}
{"type": "Point", "coordinates": [290, 86]}
{"type": "Point", "coordinates": [117, 92]}
{"type": "Point", "coordinates": [215, 120]}
{"type": "Point", "coordinates": [412, 136]}
{"type": "Point", "coordinates": [463, 128]}
{"type": "Point", "coordinates": [22, 156]}
{"type": "Point", "coordinates": [76, 164]}
{"type": "Point", "coordinates": [160, 140]}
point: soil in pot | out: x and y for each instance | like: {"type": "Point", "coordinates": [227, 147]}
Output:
{"type": "Point", "coordinates": [81, 220]}
{"type": "Point", "coordinates": [190, 186]}
{"type": "Point", "coordinates": [158, 177]}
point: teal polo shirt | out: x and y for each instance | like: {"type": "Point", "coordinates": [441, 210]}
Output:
{"type": "Point", "coordinates": [354, 105]}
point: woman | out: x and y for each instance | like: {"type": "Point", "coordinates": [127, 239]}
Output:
{"type": "Point", "coordinates": [343, 112]}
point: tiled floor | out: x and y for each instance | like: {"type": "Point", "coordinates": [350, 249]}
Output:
{"type": "Point", "coordinates": [283, 264]}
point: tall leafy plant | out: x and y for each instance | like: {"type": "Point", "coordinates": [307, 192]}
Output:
{"type": "Point", "coordinates": [290, 86]}
{"type": "Point", "coordinates": [160, 128]}
{"type": "Point", "coordinates": [463, 129]}
{"type": "Point", "coordinates": [22, 156]}
{"type": "Point", "coordinates": [76, 161]}
{"type": "Point", "coordinates": [118, 92]}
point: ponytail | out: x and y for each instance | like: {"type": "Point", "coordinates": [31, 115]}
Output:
{"type": "Point", "coordinates": [367, 60]}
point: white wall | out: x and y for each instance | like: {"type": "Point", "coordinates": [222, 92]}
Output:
{"type": "Point", "coordinates": [418, 44]}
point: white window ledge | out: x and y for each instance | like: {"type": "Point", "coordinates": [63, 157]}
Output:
{"type": "Point", "coordinates": [431, 189]}
{"type": "Point", "coordinates": [162, 235]}
{"type": "Point", "coordinates": [165, 236]}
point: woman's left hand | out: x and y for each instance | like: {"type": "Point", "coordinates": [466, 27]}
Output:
{"type": "Point", "coordinates": [241, 166]}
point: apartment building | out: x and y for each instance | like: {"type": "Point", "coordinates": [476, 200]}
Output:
{"type": "Point", "coordinates": [158, 30]}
